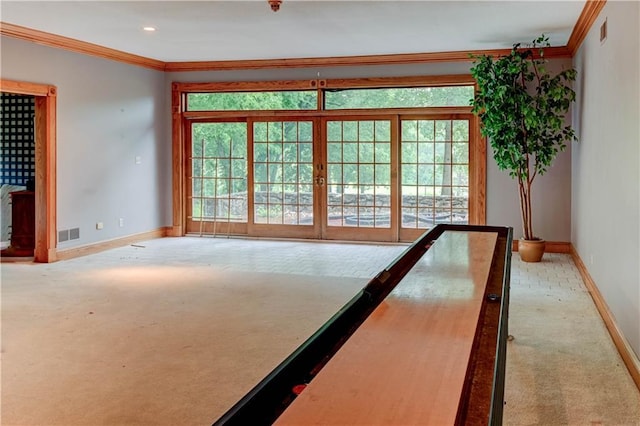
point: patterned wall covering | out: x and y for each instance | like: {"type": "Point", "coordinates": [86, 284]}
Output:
{"type": "Point", "coordinates": [17, 145]}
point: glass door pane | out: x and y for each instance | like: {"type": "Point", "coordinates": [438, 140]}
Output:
{"type": "Point", "coordinates": [283, 180]}
{"type": "Point", "coordinates": [218, 178]}
{"type": "Point", "coordinates": [358, 190]}
{"type": "Point", "coordinates": [434, 157]}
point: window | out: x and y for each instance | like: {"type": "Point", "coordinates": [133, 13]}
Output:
{"type": "Point", "coordinates": [217, 176]}
{"type": "Point", "coordinates": [253, 101]}
{"type": "Point", "coordinates": [341, 161]}
{"type": "Point", "coordinates": [406, 97]}
{"type": "Point", "coordinates": [435, 172]}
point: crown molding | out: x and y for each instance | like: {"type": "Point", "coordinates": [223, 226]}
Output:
{"type": "Point", "coordinates": [588, 16]}
{"type": "Point", "coordinates": [73, 45]}
{"type": "Point", "coordinates": [394, 59]}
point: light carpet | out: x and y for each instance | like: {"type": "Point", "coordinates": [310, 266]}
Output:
{"type": "Point", "coordinates": [173, 331]}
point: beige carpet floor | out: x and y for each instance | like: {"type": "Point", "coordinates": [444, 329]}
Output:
{"type": "Point", "coordinates": [174, 331]}
{"type": "Point", "coordinates": [562, 366]}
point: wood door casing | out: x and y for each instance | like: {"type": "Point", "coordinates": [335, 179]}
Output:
{"type": "Point", "coordinates": [45, 158]}
{"type": "Point", "coordinates": [360, 194]}
{"type": "Point", "coordinates": [378, 206]}
{"type": "Point", "coordinates": [283, 158]}
{"type": "Point", "coordinates": [216, 179]}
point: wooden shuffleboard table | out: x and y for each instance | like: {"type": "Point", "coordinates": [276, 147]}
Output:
{"type": "Point", "coordinates": [424, 343]}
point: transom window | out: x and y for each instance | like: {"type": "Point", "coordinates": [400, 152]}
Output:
{"type": "Point", "coordinates": [253, 101]}
{"type": "Point", "coordinates": [405, 97]}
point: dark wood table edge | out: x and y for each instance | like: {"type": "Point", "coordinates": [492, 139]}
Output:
{"type": "Point", "coordinates": [263, 404]}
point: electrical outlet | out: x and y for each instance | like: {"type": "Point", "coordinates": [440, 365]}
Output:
{"type": "Point", "coordinates": [138, 159]}
{"type": "Point", "coordinates": [121, 222]}
{"type": "Point", "coordinates": [99, 225]}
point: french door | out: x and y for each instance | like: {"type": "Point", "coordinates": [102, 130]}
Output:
{"type": "Point", "coordinates": [436, 172]}
{"type": "Point", "coordinates": [283, 179]}
{"type": "Point", "coordinates": [216, 178]}
{"type": "Point", "coordinates": [358, 198]}
{"type": "Point", "coordinates": [379, 178]}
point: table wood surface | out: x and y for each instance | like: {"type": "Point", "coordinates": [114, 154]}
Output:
{"type": "Point", "coordinates": [406, 364]}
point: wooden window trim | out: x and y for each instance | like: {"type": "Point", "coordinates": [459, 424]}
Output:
{"type": "Point", "coordinates": [351, 83]}
{"type": "Point", "coordinates": [181, 118]}
{"type": "Point", "coordinates": [247, 86]}
{"type": "Point", "coordinates": [391, 82]}
{"type": "Point", "coordinates": [477, 172]}
{"type": "Point", "coordinates": [204, 115]}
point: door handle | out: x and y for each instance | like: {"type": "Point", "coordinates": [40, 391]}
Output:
{"type": "Point", "coordinates": [320, 181]}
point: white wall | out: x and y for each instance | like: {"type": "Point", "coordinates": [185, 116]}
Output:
{"type": "Point", "coordinates": [606, 163]}
{"type": "Point", "coordinates": [551, 193]}
{"type": "Point", "coordinates": [108, 113]}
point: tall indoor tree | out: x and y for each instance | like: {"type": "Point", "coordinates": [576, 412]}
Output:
{"type": "Point", "coordinates": [522, 107]}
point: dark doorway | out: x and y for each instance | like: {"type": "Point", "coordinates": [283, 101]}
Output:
{"type": "Point", "coordinates": [17, 174]}
{"type": "Point", "coordinates": [45, 97]}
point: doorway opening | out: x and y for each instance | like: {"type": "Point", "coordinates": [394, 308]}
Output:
{"type": "Point", "coordinates": [17, 174]}
{"type": "Point", "coordinates": [44, 178]}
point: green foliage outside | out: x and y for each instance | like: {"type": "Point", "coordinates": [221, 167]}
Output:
{"type": "Point", "coordinates": [428, 146]}
{"type": "Point", "coordinates": [410, 97]}
{"type": "Point", "coordinates": [358, 156]}
{"type": "Point", "coordinates": [253, 101]}
{"type": "Point", "coordinates": [358, 151]}
{"type": "Point", "coordinates": [522, 107]}
{"type": "Point", "coordinates": [219, 165]}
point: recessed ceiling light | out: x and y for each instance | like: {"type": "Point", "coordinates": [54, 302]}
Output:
{"type": "Point", "coordinates": [150, 29]}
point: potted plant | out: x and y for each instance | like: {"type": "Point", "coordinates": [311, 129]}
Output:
{"type": "Point", "coordinates": [522, 108]}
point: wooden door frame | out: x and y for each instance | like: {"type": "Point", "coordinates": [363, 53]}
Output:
{"type": "Point", "coordinates": [45, 160]}
{"type": "Point", "coordinates": [180, 117]}
{"type": "Point", "coordinates": [234, 228]}
{"type": "Point", "coordinates": [365, 233]}
{"type": "Point", "coordinates": [282, 230]}
{"type": "Point", "coordinates": [477, 170]}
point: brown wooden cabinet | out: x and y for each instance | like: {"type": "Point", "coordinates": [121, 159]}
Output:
{"type": "Point", "coordinates": [23, 224]}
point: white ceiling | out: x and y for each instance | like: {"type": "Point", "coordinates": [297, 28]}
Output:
{"type": "Point", "coordinates": [248, 29]}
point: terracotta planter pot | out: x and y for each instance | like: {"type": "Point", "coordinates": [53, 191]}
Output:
{"type": "Point", "coordinates": [531, 250]}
